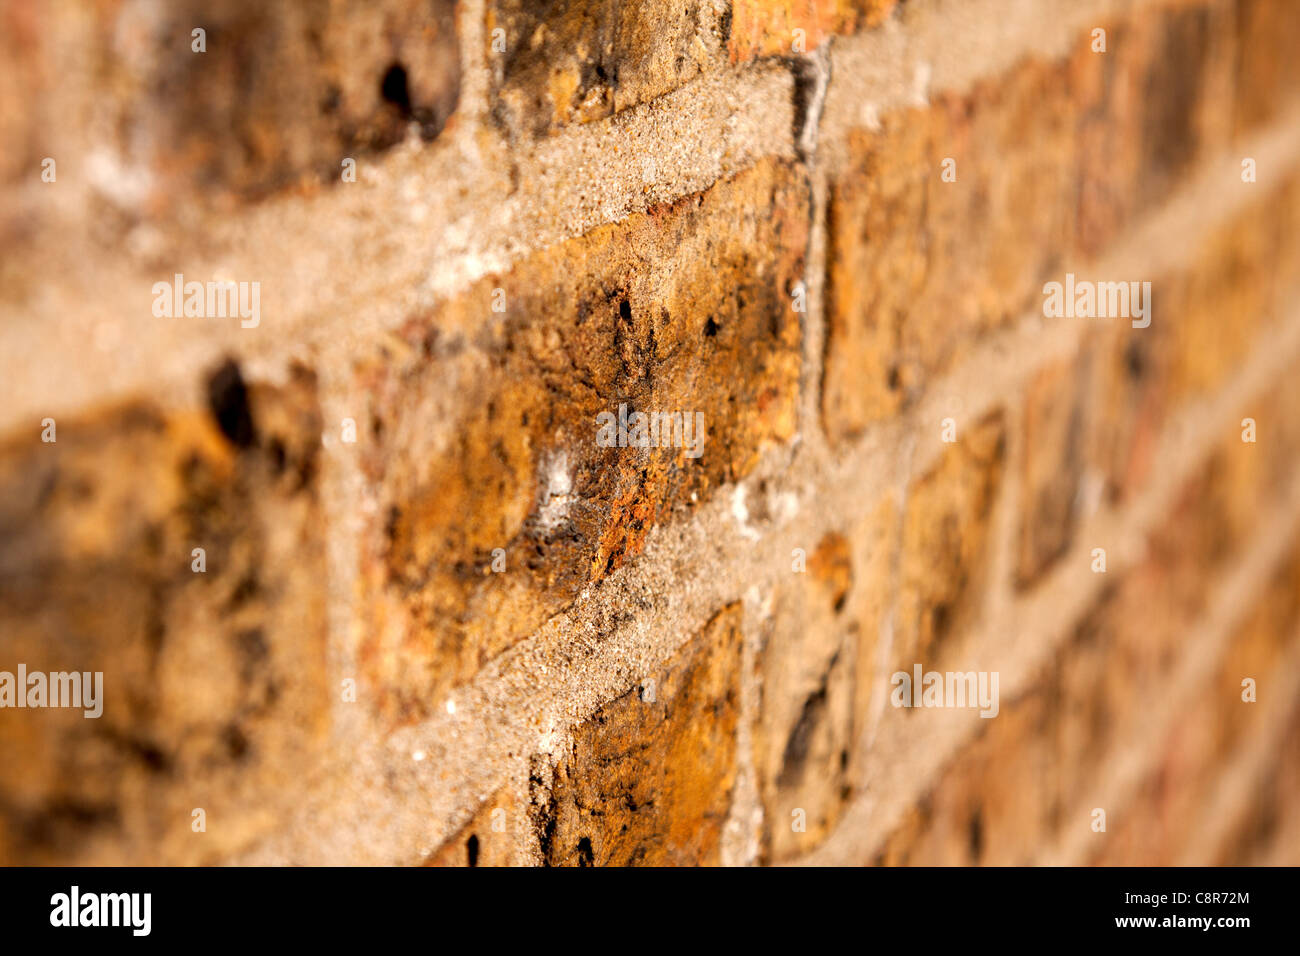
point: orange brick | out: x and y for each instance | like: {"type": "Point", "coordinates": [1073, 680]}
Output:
{"type": "Point", "coordinates": [576, 62]}
{"type": "Point", "coordinates": [648, 781]}
{"type": "Point", "coordinates": [946, 542]}
{"type": "Point", "coordinates": [1267, 73]}
{"type": "Point", "coordinates": [488, 839]}
{"type": "Point", "coordinates": [805, 733]}
{"type": "Point", "coordinates": [687, 309]}
{"type": "Point", "coordinates": [767, 27]}
{"type": "Point", "coordinates": [281, 93]}
{"type": "Point", "coordinates": [214, 683]}
{"type": "Point", "coordinates": [1051, 462]}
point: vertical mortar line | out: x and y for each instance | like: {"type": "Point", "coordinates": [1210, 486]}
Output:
{"type": "Point", "coordinates": [904, 468]}
{"type": "Point", "coordinates": [742, 842]}
{"type": "Point", "coordinates": [525, 847]}
{"type": "Point", "coordinates": [475, 63]}
{"type": "Point", "coordinates": [886, 629]}
{"type": "Point", "coordinates": [814, 72]}
{"type": "Point", "coordinates": [343, 498]}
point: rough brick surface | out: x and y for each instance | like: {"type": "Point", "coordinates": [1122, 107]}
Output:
{"type": "Point", "coordinates": [555, 64]}
{"type": "Point", "coordinates": [489, 839]}
{"type": "Point", "coordinates": [809, 706]}
{"type": "Point", "coordinates": [215, 689]}
{"type": "Point", "coordinates": [768, 27]}
{"type": "Point", "coordinates": [946, 544]}
{"type": "Point", "coordinates": [647, 779]}
{"type": "Point", "coordinates": [280, 92]}
{"type": "Point", "coordinates": [687, 309]}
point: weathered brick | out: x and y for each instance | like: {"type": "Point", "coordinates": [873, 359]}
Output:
{"type": "Point", "coordinates": [488, 839]}
{"type": "Point", "coordinates": [1267, 71]}
{"type": "Point", "coordinates": [281, 93]}
{"type": "Point", "coordinates": [686, 308]}
{"type": "Point", "coordinates": [805, 733]}
{"type": "Point", "coordinates": [1150, 108]}
{"type": "Point", "coordinates": [918, 267]}
{"type": "Point", "coordinates": [817, 668]}
{"type": "Point", "coordinates": [946, 542]}
{"type": "Point", "coordinates": [555, 64]}
{"type": "Point", "coordinates": [647, 779]}
{"type": "Point", "coordinates": [214, 691]}
{"type": "Point", "coordinates": [1052, 448]}
{"type": "Point", "coordinates": [767, 27]}
{"type": "Point", "coordinates": [1241, 271]}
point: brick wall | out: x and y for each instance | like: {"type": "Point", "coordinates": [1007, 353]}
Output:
{"type": "Point", "coordinates": [435, 620]}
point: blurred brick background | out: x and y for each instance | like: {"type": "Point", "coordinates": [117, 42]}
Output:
{"type": "Point", "coordinates": [440, 624]}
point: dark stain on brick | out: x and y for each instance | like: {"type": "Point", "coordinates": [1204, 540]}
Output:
{"type": "Point", "coordinates": [228, 401]}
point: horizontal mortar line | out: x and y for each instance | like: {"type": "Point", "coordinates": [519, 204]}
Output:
{"type": "Point", "coordinates": [1127, 766]}
{"type": "Point", "coordinates": [1049, 613]}
{"type": "Point", "coordinates": [1238, 781]}
{"type": "Point", "coordinates": [992, 375]}
{"type": "Point", "coordinates": [571, 183]}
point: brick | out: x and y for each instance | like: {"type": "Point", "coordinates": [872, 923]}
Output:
{"type": "Point", "coordinates": [1052, 449]}
{"type": "Point", "coordinates": [1222, 504]}
{"type": "Point", "coordinates": [686, 308]}
{"type": "Point", "coordinates": [281, 94]}
{"type": "Point", "coordinates": [817, 673]}
{"type": "Point", "coordinates": [556, 65]}
{"type": "Point", "coordinates": [215, 684]}
{"type": "Point", "coordinates": [1267, 74]}
{"type": "Point", "coordinates": [806, 729]}
{"type": "Point", "coordinates": [1150, 109]}
{"type": "Point", "coordinates": [946, 544]}
{"type": "Point", "coordinates": [488, 839]}
{"type": "Point", "coordinates": [918, 267]}
{"type": "Point", "coordinates": [648, 782]}
{"type": "Point", "coordinates": [767, 27]}
{"type": "Point", "coordinates": [573, 63]}
{"type": "Point", "coordinates": [1242, 271]}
